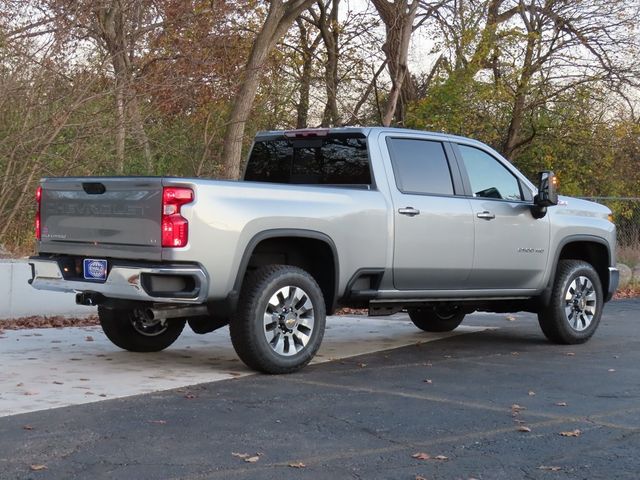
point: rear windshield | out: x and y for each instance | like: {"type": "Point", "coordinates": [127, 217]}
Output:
{"type": "Point", "coordinates": [339, 159]}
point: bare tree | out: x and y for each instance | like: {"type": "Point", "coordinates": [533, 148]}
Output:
{"type": "Point", "coordinates": [398, 17]}
{"type": "Point", "coordinates": [280, 16]}
{"type": "Point", "coordinates": [326, 21]}
{"type": "Point", "coordinates": [307, 48]}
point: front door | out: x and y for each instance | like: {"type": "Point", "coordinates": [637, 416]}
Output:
{"type": "Point", "coordinates": [511, 246]}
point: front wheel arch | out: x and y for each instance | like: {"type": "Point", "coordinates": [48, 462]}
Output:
{"type": "Point", "coordinates": [591, 249]}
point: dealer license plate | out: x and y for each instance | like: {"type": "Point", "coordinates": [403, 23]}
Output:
{"type": "Point", "coordinates": [95, 269]}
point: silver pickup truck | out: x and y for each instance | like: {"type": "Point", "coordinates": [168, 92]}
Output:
{"type": "Point", "coordinates": [377, 218]}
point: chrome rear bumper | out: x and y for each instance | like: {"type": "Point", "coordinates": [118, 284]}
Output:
{"type": "Point", "coordinates": [124, 282]}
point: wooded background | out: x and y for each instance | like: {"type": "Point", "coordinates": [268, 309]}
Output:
{"type": "Point", "coordinates": [179, 87]}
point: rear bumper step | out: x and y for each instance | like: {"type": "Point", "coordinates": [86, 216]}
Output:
{"type": "Point", "coordinates": [130, 282]}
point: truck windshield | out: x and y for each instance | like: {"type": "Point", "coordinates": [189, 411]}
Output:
{"type": "Point", "coordinates": [339, 159]}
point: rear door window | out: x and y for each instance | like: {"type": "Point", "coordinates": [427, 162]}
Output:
{"type": "Point", "coordinates": [420, 166]}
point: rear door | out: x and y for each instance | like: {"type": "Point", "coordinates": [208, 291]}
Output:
{"type": "Point", "coordinates": [511, 246]}
{"type": "Point", "coordinates": [106, 217]}
{"type": "Point", "coordinates": [433, 247]}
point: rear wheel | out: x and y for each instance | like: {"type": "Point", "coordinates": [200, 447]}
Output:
{"type": "Point", "coordinates": [131, 329]}
{"type": "Point", "coordinates": [437, 318]}
{"type": "Point", "coordinates": [575, 307]}
{"type": "Point", "coordinates": [280, 320]}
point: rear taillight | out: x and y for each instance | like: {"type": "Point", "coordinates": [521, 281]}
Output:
{"type": "Point", "coordinates": [38, 220]}
{"type": "Point", "coordinates": [175, 228]}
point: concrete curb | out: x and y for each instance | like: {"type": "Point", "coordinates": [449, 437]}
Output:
{"type": "Point", "coordinates": [19, 299]}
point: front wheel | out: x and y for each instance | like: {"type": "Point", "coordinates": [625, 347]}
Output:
{"type": "Point", "coordinates": [131, 329]}
{"type": "Point", "coordinates": [280, 320]}
{"type": "Point", "coordinates": [575, 307]}
{"type": "Point", "coordinates": [437, 318]}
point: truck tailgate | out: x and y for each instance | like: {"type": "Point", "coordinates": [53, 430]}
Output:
{"type": "Point", "coordinates": [102, 217]}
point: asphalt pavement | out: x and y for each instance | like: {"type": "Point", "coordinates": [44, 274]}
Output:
{"type": "Point", "coordinates": [494, 404]}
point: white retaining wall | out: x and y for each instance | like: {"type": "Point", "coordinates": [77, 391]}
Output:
{"type": "Point", "coordinates": [19, 299]}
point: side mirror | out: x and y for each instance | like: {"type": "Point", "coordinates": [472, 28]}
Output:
{"type": "Point", "coordinates": [547, 190]}
{"type": "Point", "coordinates": [547, 194]}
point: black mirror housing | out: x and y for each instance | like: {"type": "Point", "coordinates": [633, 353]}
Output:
{"type": "Point", "coordinates": [547, 189]}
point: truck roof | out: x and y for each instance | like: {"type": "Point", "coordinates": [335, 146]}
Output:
{"type": "Point", "coordinates": [272, 134]}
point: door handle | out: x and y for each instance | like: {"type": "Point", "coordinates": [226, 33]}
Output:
{"type": "Point", "coordinates": [410, 211]}
{"type": "Point", "coordinates": [486, 215]}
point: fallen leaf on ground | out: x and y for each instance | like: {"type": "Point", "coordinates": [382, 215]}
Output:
{"type": "Point", "coordinates": [297, 465]}
{"type": "Point", "coordinates": [572, 433]}
{"type": "Point", "coordinates": [549, 468]}
{"type": "Point", "coordinates": [38, 468]}
{"type": "Point", "coordinates": [421, 456]}
{"type": "Point", "coordinates": [27, 427]}
{"type": "Point", "coordinates": [561, 404]}
{"type": "Point", "coordinates": [524, 428]}
{"type": "Point", "coordinates": [253, 459]}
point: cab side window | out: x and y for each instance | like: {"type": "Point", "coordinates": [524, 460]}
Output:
{"type": "Point", "coordinates": [488, 177]}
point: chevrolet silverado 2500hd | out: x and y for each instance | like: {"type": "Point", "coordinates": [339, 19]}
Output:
{"type": "Point", "coordinates": [385, 219]}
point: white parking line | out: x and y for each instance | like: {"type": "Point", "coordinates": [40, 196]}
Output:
{"type": "Point", "coordinates": [50, 368]}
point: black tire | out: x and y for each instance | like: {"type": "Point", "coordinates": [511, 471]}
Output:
{"type": "Point", "coordinates": [249, 332]}
{"type": "Point", "coordinates": [555, 320]}
{"type": "Point", "coordinates": [437, 318]}
{"type": "Point", "coordinates": [119, 327]}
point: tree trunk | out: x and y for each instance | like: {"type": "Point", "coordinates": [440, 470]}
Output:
{"type": "Point", "coordinates": [513, 140]}
{"type": "Point", "coordinates": [112, 30]}
{"type": "Point", "coordinates": [140, 134]}
{"type": "Point", "coordinates": [330, 30]}
{"type": "Point", "coordinates": [308, 51]}
{"type": "Point", "coordinates": [279, 18]}
{"type": "Point", "coordinates": [398, 18]}
{"type": "Point", "coordinates": [121, 131]}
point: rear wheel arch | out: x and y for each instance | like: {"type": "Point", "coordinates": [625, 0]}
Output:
{"type": "Point", "coordinates": [313, 251]}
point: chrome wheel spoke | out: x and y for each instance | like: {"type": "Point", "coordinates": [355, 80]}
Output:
{"type": "Point", "coordinates": [581, 302]}
{"type": "Point", "coordinates": [288, 320]}
{"type": "Point", "coordinates": [278, 343]}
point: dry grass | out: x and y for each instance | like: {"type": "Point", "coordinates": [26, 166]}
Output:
{"type": "Point", "coordinates": [629, 254]}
